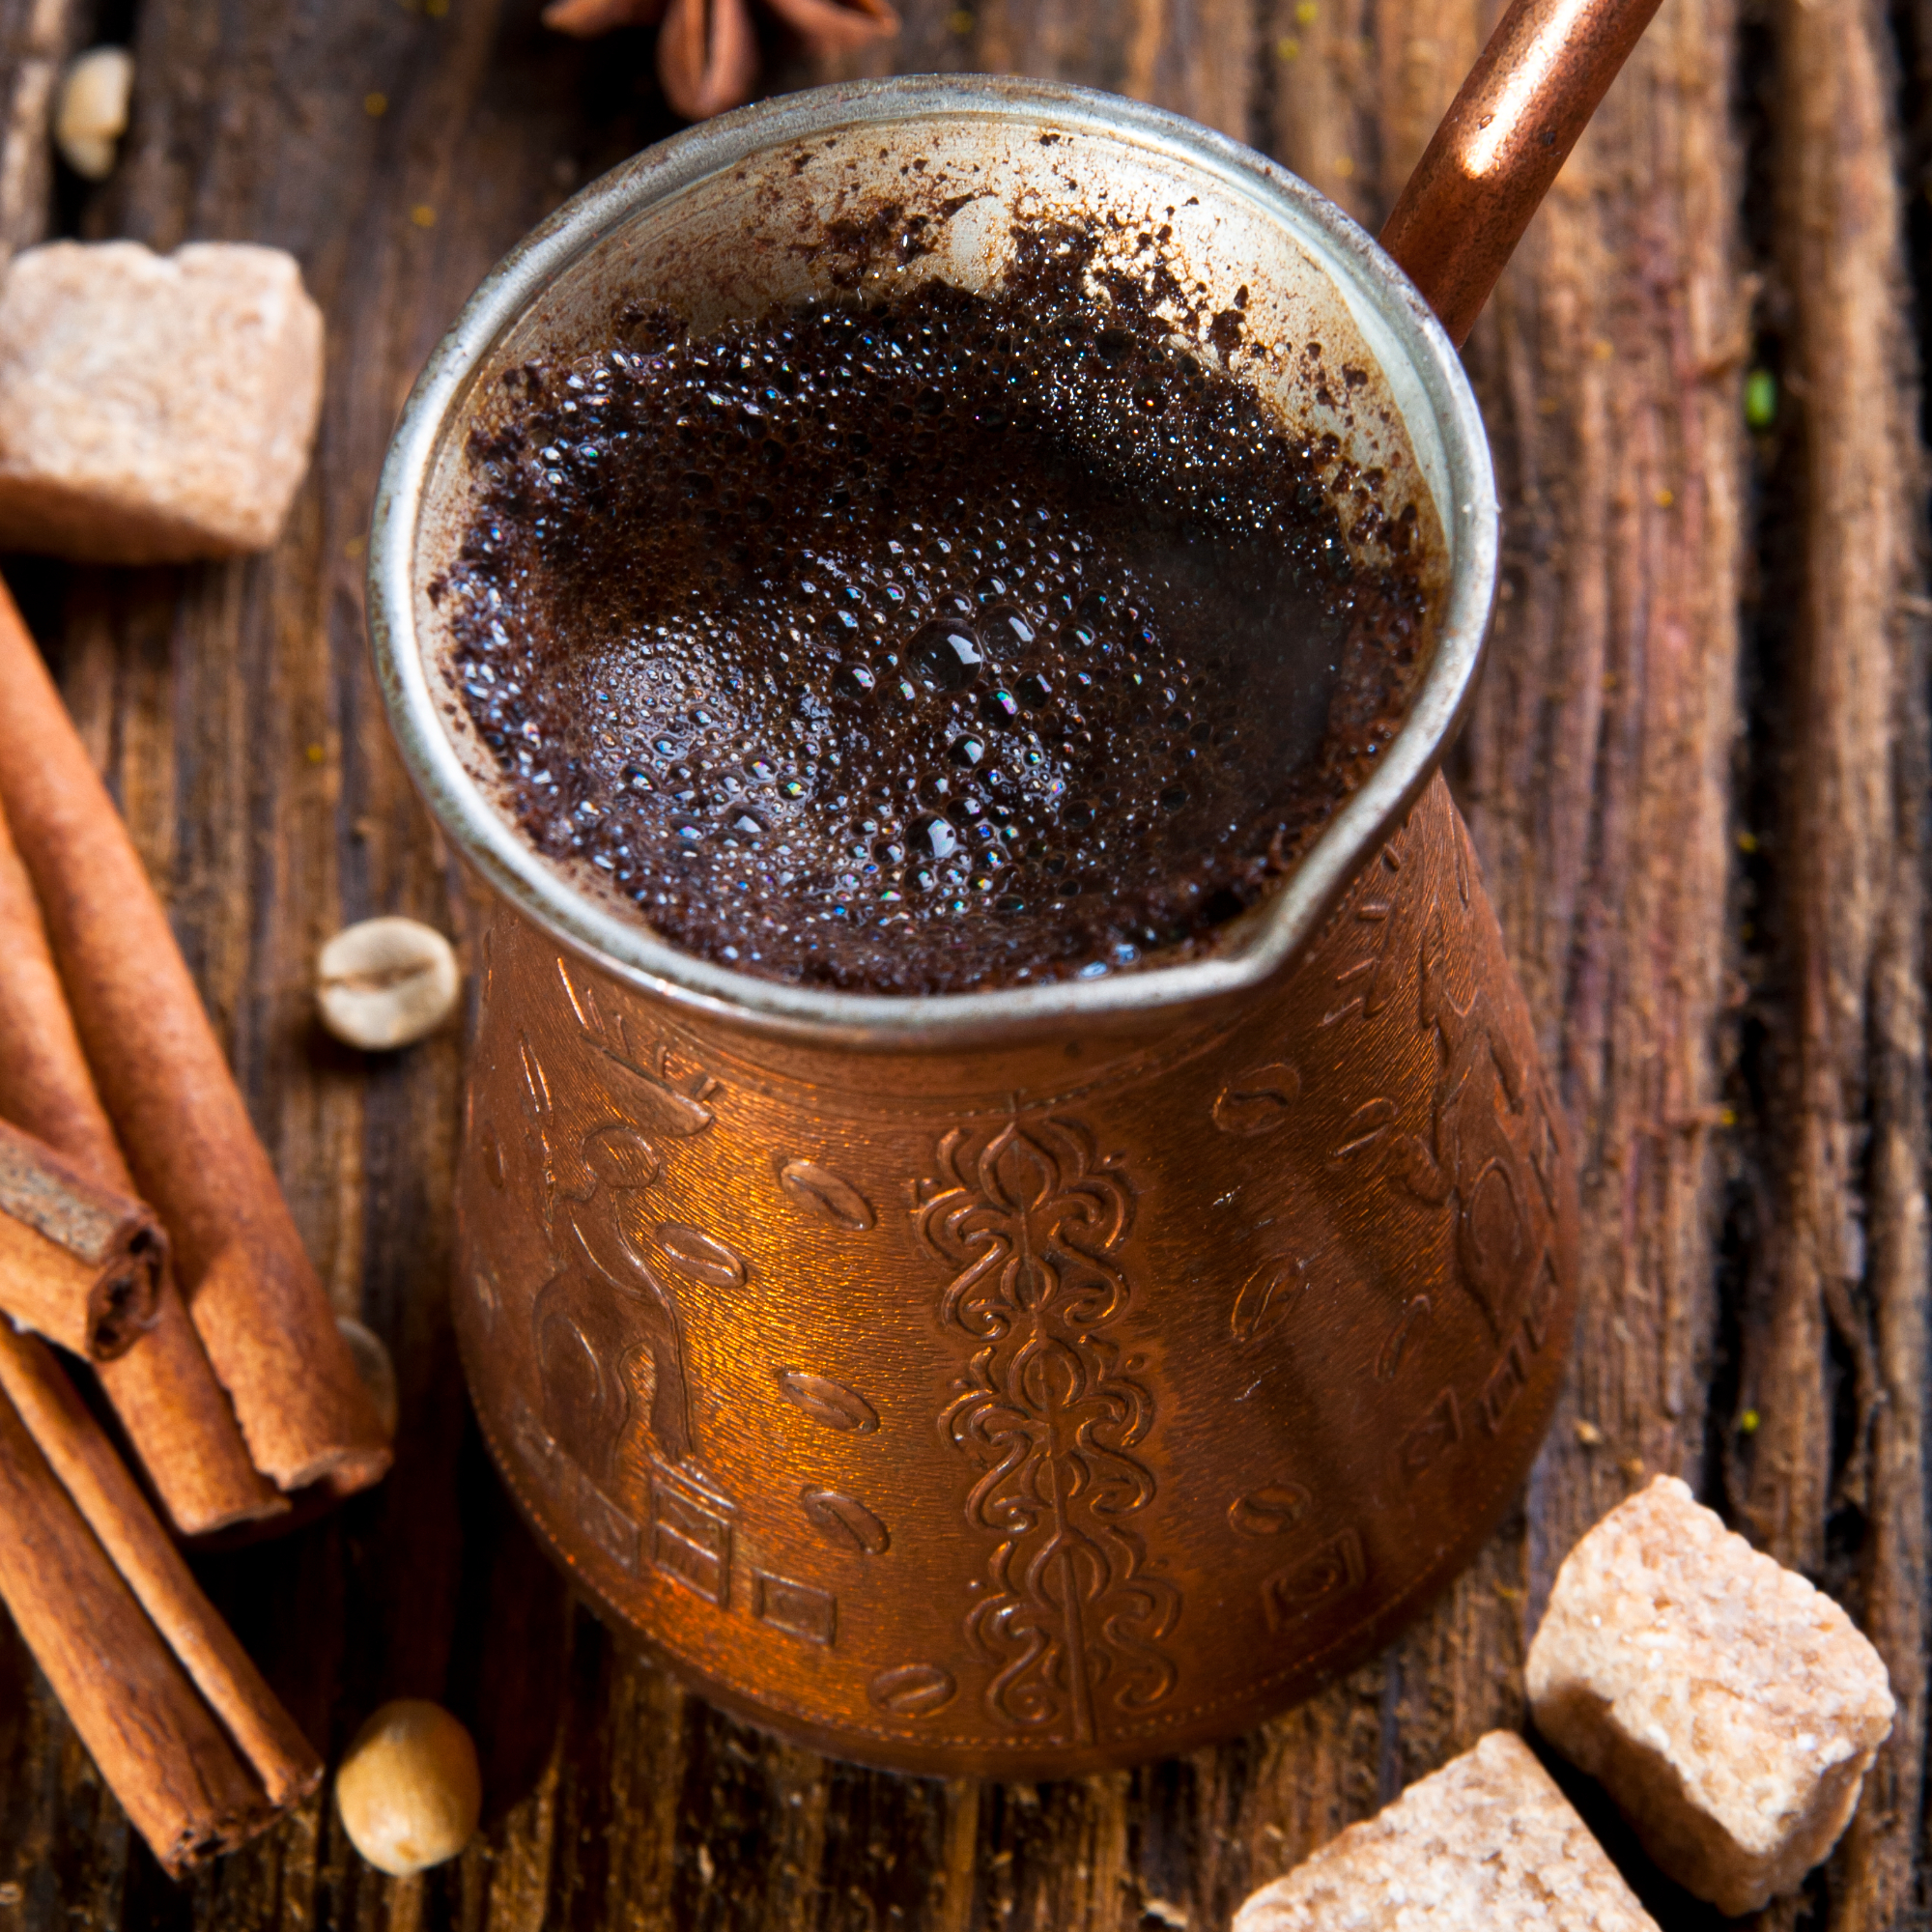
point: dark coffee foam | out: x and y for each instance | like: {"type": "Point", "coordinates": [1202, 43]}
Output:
{"type": "Point", "coordinates": [951, 642]}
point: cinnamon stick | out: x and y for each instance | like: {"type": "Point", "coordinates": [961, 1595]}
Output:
{"type": "Point", "coordinates": [78, 1263]}
{"type": "Point", "coordinates": [181, 1425]}
{"type": "Point", "coordinates": [182, 1784]}
{"type": "Point", "coordinates": [100, 1487]}
{"type": "Point", "coordinates": [174, 1414]}
{"type": "Point", "coordinates": [257, 1304]}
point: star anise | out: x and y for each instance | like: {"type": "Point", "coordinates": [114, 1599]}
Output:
{"type": "Point", "coordinates": [708, 49]}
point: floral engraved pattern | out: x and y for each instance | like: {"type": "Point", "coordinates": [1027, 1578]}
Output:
{"type": "Point", "coordinates": [1488, 1152]}
{"type": "Point", "coordinates": [1049, 1412]}
{"type": "Point", "coordinates": [1474, 1157]}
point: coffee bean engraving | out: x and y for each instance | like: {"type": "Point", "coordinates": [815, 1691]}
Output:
{"type": "Point", "coordinates": [1267, 1298]}
{"type": "Point", "coordinates": [701, 1256]}
{"type": "Point", "coordinates": [828, 1401]}
{"type": "Point", "coordinates": [1268, 1509]}
{"type": "Point", "coordinates": [819, 1191]}
{"type": "Point", "coordinates": [1259, 1100]}
{"type": "Point", "coordinates": [1364, 1128]}
{"type": "Point", "coordinates": [913, 1690]}
{"type": "Point", "coordinates": [845, 1518]}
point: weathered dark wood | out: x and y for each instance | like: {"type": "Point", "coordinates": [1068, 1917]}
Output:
{"type": "Point", "coordinates": [1740, 1034]}
{"type": "Point", "coordinates": [1835, 1478]}
{"type": "Point", "coordinates": [37, 39]}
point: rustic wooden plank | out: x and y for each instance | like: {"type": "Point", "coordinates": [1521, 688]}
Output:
{"type": "Point", "coordinates": [1833, 1478]}
{"type": "Point", "coordinates": [1595, 769]}
{"type": "Point", "coordinates": [234, 710]}
{"type": "Point", "coordinates": [235, 713]}
{"type": "Point", "coordinates": [37, 40]}
{"type": "Point", "coordinates": [1598, 762]}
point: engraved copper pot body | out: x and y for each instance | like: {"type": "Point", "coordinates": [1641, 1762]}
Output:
{"type": "Point", "coordinates": [1033, 1381]}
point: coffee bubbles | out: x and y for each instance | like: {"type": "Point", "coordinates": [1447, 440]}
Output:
{"type": "Point", "coordinates": [945, 654]}
{"type": "Point", "coordinates": [879, 647]}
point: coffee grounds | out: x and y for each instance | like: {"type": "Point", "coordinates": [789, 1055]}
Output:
{"type": "Point", "coordinates": [944, 641]}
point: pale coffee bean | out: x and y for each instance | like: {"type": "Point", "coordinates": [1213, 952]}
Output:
{"type": "Point", "coordinates": [386, 983]}
{"type": "Point", "coordinates": [409, 1792]}
{"type": "Point", "coordinates": [92, 112]}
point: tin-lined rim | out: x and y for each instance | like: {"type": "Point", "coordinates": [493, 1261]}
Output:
{"type": "Point", "coordinates": [630, 950]}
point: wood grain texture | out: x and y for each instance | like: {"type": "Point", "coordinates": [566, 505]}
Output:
{"type": "Point", "coordinates": [1739, 1035]}
{"type": "Point", "coordinates": [1835, 1478]}
{"type": "Point", "coordinates": [37, 40]}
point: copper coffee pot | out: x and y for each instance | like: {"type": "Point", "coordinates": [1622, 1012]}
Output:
{"type": "Point", "coordinates": [1030, 1381]}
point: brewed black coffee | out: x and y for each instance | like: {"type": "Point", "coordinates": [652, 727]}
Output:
{"type": "Point", "coordinates": [945, 641]}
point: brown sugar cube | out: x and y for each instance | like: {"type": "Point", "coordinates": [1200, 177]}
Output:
{"type": "Point", "coordinates": [1727, 1706]}
{"type": "Point", "coordinates": [153, 408]}
{"type": "Point", "coordinates": [1487, 1843]}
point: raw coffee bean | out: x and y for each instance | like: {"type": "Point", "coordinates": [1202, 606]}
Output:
{"type": "Point", "coordinates": [409, 1791]}
{"type": "Point", "coordinates": [92, 113]}
{"type": "Point", "coordinates": [386, 983]}
{"type": "Point", "coordinates": [374, 1366]}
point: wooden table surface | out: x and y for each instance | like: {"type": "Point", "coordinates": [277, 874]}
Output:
{"type": "Point", "coordinates": [1696, 775]}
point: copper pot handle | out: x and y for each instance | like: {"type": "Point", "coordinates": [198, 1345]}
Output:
{"type": "Point", "coordinates": [1510, 127]}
